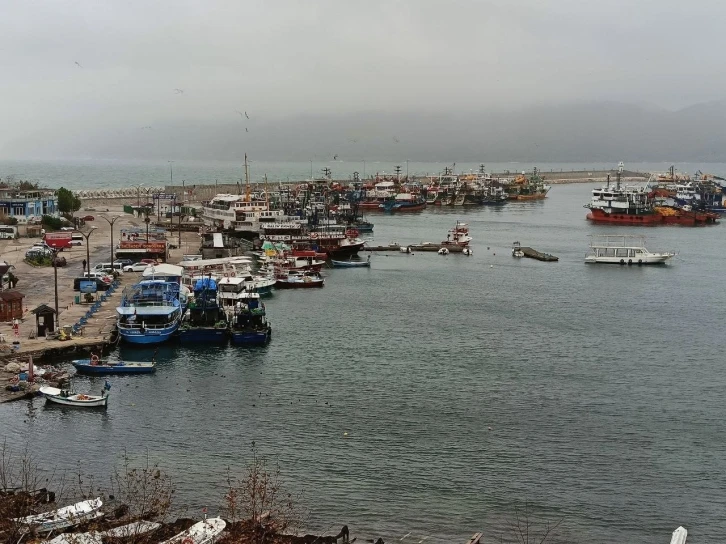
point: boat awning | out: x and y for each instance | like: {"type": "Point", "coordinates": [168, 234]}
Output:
{"type": "Point", "coordinates": [145, 310]}
{"type": "Point", "coordinates": [217, 240]}
{"type": "Point", "coordinates": [164, 269]}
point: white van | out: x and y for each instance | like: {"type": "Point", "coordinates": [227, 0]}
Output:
{"type": "Point", "coordinates": [118, 267]}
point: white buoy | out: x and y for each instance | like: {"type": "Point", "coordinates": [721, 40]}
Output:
{"type": "Point", "coordinates": [491, 266]}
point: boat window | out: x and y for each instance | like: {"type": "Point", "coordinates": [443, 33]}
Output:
{"type": "Point", "coordinates": [621, 252]}
{"type": "Point", "coordinates": [610, 252]}
{"type": "Point", "coordinates": [638, 251]}
{"type": "Point", "coordinates": [631, 253]}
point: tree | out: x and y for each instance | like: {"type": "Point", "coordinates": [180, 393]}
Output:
{"type": "Point", "coordinates": [67, 201]}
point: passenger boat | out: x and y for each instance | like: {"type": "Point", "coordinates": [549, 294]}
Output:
{"type": "Point", "coordinates": [63, 518]}
{"type": "Point", "coordinates": [352, 264]}
{"type": "Point", "coordinates": [622, 250]}
{"type": "Point", "coordinates": [68, 397]}
{"type": "Point", "coordinates": [248, 323]}
{"type": "Point", "coordinates": [300, 280]}
{"type": "Point", "coordinates": [205, 322]}
{"type": "Point", "coordinates": [151, 311]}
{"type": "Point", "coordinates": [458, 236]}
{"type": "Point", "coordinates": [206, 531]}
{"type": "Point", "coordinates": [95, 366]}
{"type": "Point", "coordinates": [679, 536]}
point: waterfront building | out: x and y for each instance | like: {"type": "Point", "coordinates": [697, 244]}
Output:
{"type": "Point", "coordinates": [28, 206]}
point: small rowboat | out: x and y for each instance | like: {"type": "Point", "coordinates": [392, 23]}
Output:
{"type": "Point", "coordinates": [206, 531]}
{"type": "Point", "coordinates": [352, 264]}
{"type": "Point", "coordinates": [94, 366]}
{"type": "Point", "coordinates": [130, 530]}
{"type": "Point", "coordinates": [679, 536]}
{"type": "Point", "coordinates": [70, 398]}
{"type": "Point", "coordinates": [63, 518]}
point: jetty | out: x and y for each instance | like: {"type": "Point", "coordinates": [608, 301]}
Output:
{"type": "Point", "coordinates": [426, 246]}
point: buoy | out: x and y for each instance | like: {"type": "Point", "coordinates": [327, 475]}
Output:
{"type": "Point", "coordinates": [491, 266]}
{"type": "Point", "coordinates": [490, 428]}
{"type": "Point", "coordinates": [345, 434]}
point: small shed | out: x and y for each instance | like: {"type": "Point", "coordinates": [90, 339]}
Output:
{"type": "Point", "coordinates": [11, 305]}
{"type": "Point", "coordinates": [44, 319]}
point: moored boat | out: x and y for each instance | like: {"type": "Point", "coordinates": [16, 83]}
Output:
{"type": "Point", "coordinates": [458, 236]}
{"type": "Point", "coordinates": [248, 322]}
{"type": "Point", "coordinates": [205, 322]}
{"type": "Point", "coordinates": [352, 264]}
{"type": "Point", "coordinates": [151, 311]}
{"type": "Point", "coordinates": [68, 397]}
{"type": "Point", "coordinates": [623, 250]}
{"type": "Point", "coordinates": [96, 366]}
{"type": "Point", "coordinates": [300, 280]}
{"type": "Point", "coordinates": [63, 518]}
{"type": "Point", "coordinates": [206, 531]}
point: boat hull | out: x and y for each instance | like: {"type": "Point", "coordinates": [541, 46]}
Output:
{"type": "Point", "coordinates": [349, 264]}
{"type": "Point", "coordinates": [621, 261]}
{"type": "Point", "coordinates": [251, 338]}
{"type": "Point", "coordinates": [149, 336]}
{"type": "Point", "coordinates": [203, 335]}
{"type": "Point", "coordinates": [599, 216]}
{"type": "Point", "coordinates": [85, 367]}
{"type": "Point", "coordinates": [281, 284]}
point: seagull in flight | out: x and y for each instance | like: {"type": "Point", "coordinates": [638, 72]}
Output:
{"type": "Point", "coordinates": [335, 157]}
{"type": "Point", "coordinates": [147, 127]}
{"type": "Point", "coordinates": [78, 64]}
{"type": "Point", "coordinates": [179, 91]}
{"type": "Point", "coordinates": [247, 115]}
{"type": "Point", "coordinates": [246, 129]}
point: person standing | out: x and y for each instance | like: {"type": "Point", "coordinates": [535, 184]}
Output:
{"type": "Point", "coordinates": [84, 265]}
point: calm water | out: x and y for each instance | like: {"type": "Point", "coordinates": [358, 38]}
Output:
{"type": "Point", "coordinates": [603, 387]}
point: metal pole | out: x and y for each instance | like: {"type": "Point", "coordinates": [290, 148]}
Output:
{"type": "Point", "coordinates": [364, 169]}
{"type": "Point", "coordinates": [55, 284]}
{"type": "Point", "coordinates": [311, 170]}
{"type": "Point", "coordinates": [180, 214]}
{"type": "Point", "coordinates": [88, 252]}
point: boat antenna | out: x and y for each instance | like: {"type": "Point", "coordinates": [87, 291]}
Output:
{"type": "Point", "coordinates": [620, 173]}
{"type": "Point", "coordinates": [607, 185]}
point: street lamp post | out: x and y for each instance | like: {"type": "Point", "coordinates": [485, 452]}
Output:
{"type": "Point", "coordinates": [87, 235]}
{"type": "Point", "coordinates": [55, 285]}
{"type": "Point", "coordinates": [111, 222]}
{"type": "Point", "coordinates": [171, 172]}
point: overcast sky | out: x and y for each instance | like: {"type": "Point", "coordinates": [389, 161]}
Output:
{"type": "Point", "coordinates": [278, 58]}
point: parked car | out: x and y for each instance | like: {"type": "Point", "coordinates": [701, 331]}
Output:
{"type": "Point", "coordinates": [36, 252]}
{"type": "Point", "coordinates": [149, 261]}
{"type": "Point", "coordinates": [68, 229]}
{"type": "Point", "coordinates": [136, 267]}
{"type": "Point", "coordinates": [76, 242]}
{"type": "Point", "coordinates": [124, 262]}
{"type": "Point", "coordinates": [88, 218]}
{"type": "Point", "coordinates": [108, 267]}
{"type": "Point", "coordinates": [101, 275]}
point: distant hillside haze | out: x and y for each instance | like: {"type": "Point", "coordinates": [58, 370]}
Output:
{"type": "Point", "coordinates": [603, 131]}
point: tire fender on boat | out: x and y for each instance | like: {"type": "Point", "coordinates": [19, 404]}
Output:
{"type": "Point", "coordinates": [630, 261]}
{"type": "Point", "coordinates": [640, 261]}
{"type": "Point", "coordinates": [622, 261]}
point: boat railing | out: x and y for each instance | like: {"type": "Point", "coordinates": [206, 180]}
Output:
{"type": "Point", "coordinates": [144, 326]}
{"type": "Point", "coordinates": [149, 303]}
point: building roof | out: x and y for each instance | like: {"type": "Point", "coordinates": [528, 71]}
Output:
{"type": "Point", "coordinates": [11, 295]}
{"type": "Point", "coordinates": [42, 310]}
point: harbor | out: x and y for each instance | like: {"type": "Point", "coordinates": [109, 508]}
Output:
{"type": "Point", "coordinates": [285, 388]}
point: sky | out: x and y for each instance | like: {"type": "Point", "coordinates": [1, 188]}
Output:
{"type": "Point", "coordinates": [74, 72]}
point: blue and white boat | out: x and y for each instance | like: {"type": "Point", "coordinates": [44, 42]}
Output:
{"type": "Point", "coordinates": [95, 366]}
{"type": "Point", "coordinates": [151, 311]}
{"type": "Point", "coordinates": [249, 326]}
{"type": "Point", "coordinates": [205, 321]}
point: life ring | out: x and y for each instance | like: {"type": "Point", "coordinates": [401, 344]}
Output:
{"type": "Point", "coordinates": [313, 235]}
{"type": "Point", "coordinates": [630, 261]}
{"type": "Point", "coordinates": [622, 261]}
{"type": "Point", "coordinates": [233, 274]}
{"type": "Point", "coordinates": [188, 540]}
{"type": "Point", "coordinates": [226, 274]}
{"type": "Point", "coordinates": [94, 359]}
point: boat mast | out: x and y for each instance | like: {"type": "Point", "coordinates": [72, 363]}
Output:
{"type": "Point", "coordinates": [247, 180]}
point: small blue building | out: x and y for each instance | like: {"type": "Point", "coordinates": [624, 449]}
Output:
{"type": "Point", "coordinates": [28, 206]}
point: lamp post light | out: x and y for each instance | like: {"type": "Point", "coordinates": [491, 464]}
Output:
{"type": "Point", "coordinates": [87, 235]}
{"type": "Point", "coordinates": [111, 222]}
{"type": "Point", "coordinates": [55, 286]}
{"type": "Point", "coordinates": [171, 172]}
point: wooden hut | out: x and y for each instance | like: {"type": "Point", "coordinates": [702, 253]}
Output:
{"type": "Point", "coordinates": [11, 305]}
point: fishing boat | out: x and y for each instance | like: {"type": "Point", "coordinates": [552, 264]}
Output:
{"type": "Point", "coordinates": [405, 202]}
{"type": "Point", "coordinates": [352, 264]}
{"type": "Point", "coordinates": [300, 280]}
{"type": "Point", "coordinates": [96, 366]}
{"type": "Point", "coordinates": [206, 321]}
{"type": "Point", "coordinates": [151, 311]}
{"type": "Point", "coordinates": [458, 236]}
{"type": "Point", "coordinates": [206, 531]}
{"type": "Point", "coordinates": [622, 250]}
{"type": "Point", "coordinates": [69, 397]}
{"type": "Point", "coordinates": [129, 531]}
{"type": "Point", "coordinates": [248, 322]}
{"type": "Point", "coordinates": [63, 518]}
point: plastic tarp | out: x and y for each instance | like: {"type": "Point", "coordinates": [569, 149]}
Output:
{"type": "Point", "coordinates": [205, 283]}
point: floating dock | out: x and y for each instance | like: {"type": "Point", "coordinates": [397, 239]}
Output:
{"type": "Point", "coordinates": [415, 247]}
{"type": "Point", "coordinates": [538, 255]}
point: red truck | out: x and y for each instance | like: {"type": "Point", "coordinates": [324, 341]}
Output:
{"type": "Point", "coordinates": [58, 240]}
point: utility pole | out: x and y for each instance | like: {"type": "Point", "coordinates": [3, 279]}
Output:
{"type": "Point", "coordinates": [55, 285]}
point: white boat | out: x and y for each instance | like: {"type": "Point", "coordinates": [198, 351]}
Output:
{"type": "Point", "coordinates": [679, 536]}
{"type": "Point", "coordinates": [71, 398]}
{"type": "Point", "coordinates": [517, 250]}
{"type": "Point", "coordinates": [63, 518]}
{"type": "Point", "coordinates": [130, 530]}
{"type": "Point", "coordinates": [610, 249]}
{"type": "Point", "coordinates": [206, 531]}
{"type": "Point", "coordinates": [443, 251]}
